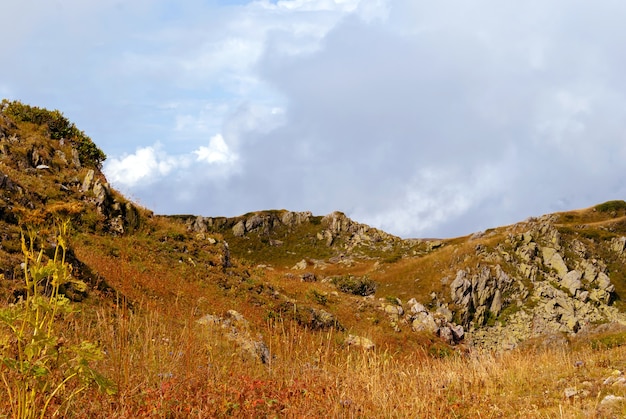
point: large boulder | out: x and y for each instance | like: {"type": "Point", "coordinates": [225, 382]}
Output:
{"type": "Point", "coordinates": [572, 282]}
{"type": "Point", "coordinates": [424, 321]}
{"type": "Point", "coordinates": [236, 328]}
{"type": "Point", "coordinates": [239, 229]}
{"type": "Point", "coordinates": [553, 259]}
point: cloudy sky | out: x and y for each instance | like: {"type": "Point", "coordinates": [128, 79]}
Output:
{"type": "Point", "coordinates": [423, 118]}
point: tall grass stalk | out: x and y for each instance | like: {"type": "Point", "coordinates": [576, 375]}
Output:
{"type": "Point", "coordinates": [39, 366]}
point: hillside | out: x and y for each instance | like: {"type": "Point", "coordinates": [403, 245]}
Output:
{"type": "Point", "coordinates": [293, 314]}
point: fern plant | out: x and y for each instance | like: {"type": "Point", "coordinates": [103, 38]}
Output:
{"type": "Point", "coordinates": [39, 368]}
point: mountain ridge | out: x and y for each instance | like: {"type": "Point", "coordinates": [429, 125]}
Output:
{"type": "Point", "coordinates": [555, 278]}
{"type": "Point", "coordinates": [501, 270]}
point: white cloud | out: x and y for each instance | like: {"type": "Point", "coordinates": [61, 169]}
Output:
{"type": "Point", "coordinates": [310, 5]}
{"type": "Point", "coordinates": [417, 116]}
{"type": "Point", "coordinates": [563, 118]}
{"type": "Point", "coordinates": [152, 164]}
{"type": "Point", "coordinates": [216, 152]}
{"type": "Point", "coordinates": [145, 166]}
{"type": "Point", "coordinates": [433, 197]}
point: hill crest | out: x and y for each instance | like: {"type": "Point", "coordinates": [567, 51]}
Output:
{"type": "Point", "coordinates": [558, 273]}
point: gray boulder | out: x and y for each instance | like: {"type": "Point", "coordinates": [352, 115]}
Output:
{"type": "Point", "coordinates": [553, 259]}
{"type": "Point", "coordinates": [239, 229]}
{"type": "Point", "coordinates": [359, 341]}
{"type": "Point", "coordinates": [572, 282]}
{"type": "Point", "coordinates": [424, 322]}
{"type": "Point", "coordinates": [236, 328]}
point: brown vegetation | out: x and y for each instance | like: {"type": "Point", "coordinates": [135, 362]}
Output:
{"type": "Point", "coordinates": [150, 282]}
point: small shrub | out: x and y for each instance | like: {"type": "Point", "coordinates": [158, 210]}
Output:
{"type": "Point", "coordinates": [608, 341]}
{"type": "Point", "coordinates": [439, 350]}
{"type": "Point", "coordinates": [351, 284]}
{"type": "Point", "coordinates": [393, 258]}
{"type": "Point", "coordinates": [318, 297]}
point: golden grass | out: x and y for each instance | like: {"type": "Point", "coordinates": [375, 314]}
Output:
{"type": "Point", "coordinates": [166, 365]}
{"type": "Point", "coordinates": [169, 368]}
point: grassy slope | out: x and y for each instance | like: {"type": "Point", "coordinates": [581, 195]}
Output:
{"type": "Point", "coordinates": [160, 279]}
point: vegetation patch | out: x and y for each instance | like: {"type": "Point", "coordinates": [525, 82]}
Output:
{"type": "Point", "coordinates": [318, 297]}
{"type": "Point", "coordinates": [351, 284]}
{"type": "Point", "coordinates": [608, 341]}
{"type": "Point", "coordinates": [611, 206]}
{"type": "Point", "coordinates": [34, 354]}
{"type": "Point", "coordinates": [58, 127]}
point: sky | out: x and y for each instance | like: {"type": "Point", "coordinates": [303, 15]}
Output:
{"type": "Point", "coordinates": [422, 118]}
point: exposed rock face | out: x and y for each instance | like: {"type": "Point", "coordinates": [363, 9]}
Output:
{"type": "Point", "coordinates": [543, 293]}
{"type": "Point", "coordinates": [618, 245]}
{"type": "Point", "coordinates": [120, 216]}
{"type": "Point", "coordinates": [335, 229]}
{"type": "Point", "coordinates": [260, 222]}
{"type": "Point", "coordinates": [337, 224]}
{"type": "Point", "coordinates": [237, 329]}
{"type": "Point", "coordinates": [553, 259]}
{"type": "Point", "coordinates": [571, 281]}
{"type": "Point", "coordinates": [479, 295]}
{"type": "Point", "coordinates": [239, 229]}
{"type": "Point", "coordinates": [439, 323]}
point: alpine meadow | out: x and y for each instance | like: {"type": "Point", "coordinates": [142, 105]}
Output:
{"type": "Point", "coordinates": [108, 310]}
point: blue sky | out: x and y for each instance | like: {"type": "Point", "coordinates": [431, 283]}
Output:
{"type": "Point", "coordinates": [425, 119]}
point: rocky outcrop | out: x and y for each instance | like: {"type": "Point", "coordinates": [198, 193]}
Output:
{"type": "Point", "coordinates": [337, 225]}
{"type": "Point", "coordinates": [618, 245]}
{"type": "Point", "coordinates": [121, 216]}
{"type": "Point", "coordinates": [439, 323]}
{"type": "Point", "coordinates": [552, 259]}
{"type": "Point", "coordinates": [360, 342]}
{"type": "Point", "coordinates": [419, 319]}
{"type": "Point", "coordinates": [263, 222]}
{"type": "Point", "coordinates": [333, 230]}
{"type": "Point", "coordinates": [236, 328]}
{"type": "Point", "coordinates": [550, 286]}
{"type": "Point", "coordinates": [481, 294]}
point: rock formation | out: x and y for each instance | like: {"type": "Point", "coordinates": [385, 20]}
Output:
{"type": "Point", "coordinates": [548, 286]}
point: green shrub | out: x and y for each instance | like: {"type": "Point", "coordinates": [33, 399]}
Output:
{"type": "Point", "coordinates": [318, 297]}
{"type": "Point", "coordinates": [58, 127]}
{"type": "Point", "coordinates": [355, 285]}
{"type": "Point", "coordinates": [393, 258]}
{"type": "Point", "coordinates": [608, 341]}
{"type": "Point", "coordinates": [611, 206]}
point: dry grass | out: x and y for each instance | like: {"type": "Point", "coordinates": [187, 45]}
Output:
{"type": "Point", "coordinates": [167, 368]}
{"type": "Point", "coordinates": [165, 365]}
{"type": "Point", "coordinates": [160, 279]}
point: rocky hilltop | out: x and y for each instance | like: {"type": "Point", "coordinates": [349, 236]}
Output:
{"type": "Point", "coordinates": [560, 274]}
{"type": "Point", "coordinates": [544, 278]}
{"type": "Point", "coordinates": [555, 274]}
{"type": "Point", "coordinates": [280, 313]}
{"type": "Point", "coordinates": [334, 234]}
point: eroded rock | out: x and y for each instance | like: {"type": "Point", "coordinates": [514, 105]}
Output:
{"type": "Point", "coordinates": [360, 342]}
{"type": "Point", "coordinates": [237, 329]}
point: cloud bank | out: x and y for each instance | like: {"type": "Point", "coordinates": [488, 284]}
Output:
{"type": "Point", "coordinates": [424, 119]}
